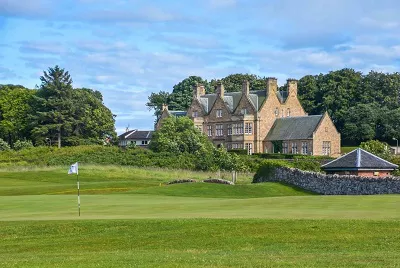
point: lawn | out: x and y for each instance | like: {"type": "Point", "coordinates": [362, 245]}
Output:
{"type": "Point", "coordinates": [131, 218]}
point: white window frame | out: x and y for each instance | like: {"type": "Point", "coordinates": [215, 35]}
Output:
{"type": "Point", "coordinates": [243, 111]}
{"type": "Point", "coordinates": [195, 114]}
{"type": "Point", "coordinates": [304, 147]}
{"type": "Point", "coordinates": [284, 147]}
{"type": "Point", "coordinates": [288, 112]}
{"type": "Point", "coordinates": [326, 148]}
{"type": "Point", "coordinates": [209, 131]}
{"type": "Point", "coordinates": [219, 113]}
{"type": "Point", "coordinates": [248, 128]}
{"type": "Point", "coordinates": [219, 130]}
{"type": "Point", "coordinates": [294, 148]}
{"type": "Point", "coordinates": [249, 148]}
{"type": "Point", "coordinates": [229, 129]}
{"type": "Point", "coordinates": [238, 129]}
{"type": "Point", "coordinates": [276, 112]}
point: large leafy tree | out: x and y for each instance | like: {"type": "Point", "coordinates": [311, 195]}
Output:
{"type": "Point", "coordinates": [179, 135]}
{"type": "Point", "coordinates": [14, 107]}
{"type": "Point", "coordinates": [233, 82]}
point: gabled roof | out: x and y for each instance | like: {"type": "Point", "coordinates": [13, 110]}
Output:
{"type": "Point", "coordinates": [359, 159]}
{"type": "Point", "coordinates": [232, 99]}
{"type": "Point", "coordinates": [137, 134]}
{"type": "Point", "coordinates": [294, 128]}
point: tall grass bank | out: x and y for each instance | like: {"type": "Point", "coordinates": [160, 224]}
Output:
{"type": "Point", "coordinates": [328, 184]}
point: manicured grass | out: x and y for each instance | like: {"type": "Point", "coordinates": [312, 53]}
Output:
{"type": "Point", "coordinates": [201, 243]}
{"type": "Point", "coordinates": [131, 218]}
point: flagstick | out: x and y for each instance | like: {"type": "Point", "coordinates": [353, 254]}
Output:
{"type": "Point", "coordinates": [79, 200]}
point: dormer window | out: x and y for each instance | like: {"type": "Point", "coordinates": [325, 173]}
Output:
{"type": "Point", "coordinates": [219, 113]}
{"type": "Point", "coordinates": [244, 111]}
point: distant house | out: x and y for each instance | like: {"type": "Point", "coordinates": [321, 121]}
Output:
{"type": "Point", "coordinates": [361, 163]}
{"type": "Point", "coordinates": [138, 137]}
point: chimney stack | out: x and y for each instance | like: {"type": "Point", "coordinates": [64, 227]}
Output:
{"type": "Point", "coordinates": [272, 85]}
{"type": "Point", "coordinates": [245, 87]}
{"type": "Point", "coordinates": [292, 87]}
{"type": "Point", "coordinates": [198, 90]}
{"type": "Point", "coordinates": [220, 89]}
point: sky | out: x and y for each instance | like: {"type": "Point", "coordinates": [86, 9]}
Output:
{"type": "Point", "coordinates": [127, 49]}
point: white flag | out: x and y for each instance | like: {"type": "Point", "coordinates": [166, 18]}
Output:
{"type": "Point", "coordinates": [73, 169]}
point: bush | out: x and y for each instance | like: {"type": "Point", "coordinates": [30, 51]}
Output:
{"type": "Point", "coordinates": [20, 145]}
{"type": "Point", "coordinates": [4, 145]}
{"type": "Point", "coordinates": [238, 151]}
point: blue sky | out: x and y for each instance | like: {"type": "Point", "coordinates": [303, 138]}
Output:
{"type": "Point", "coordinates": [129, 48]}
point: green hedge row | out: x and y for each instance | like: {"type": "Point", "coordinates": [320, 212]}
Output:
{"type": "Point", "coordinates": [112, 155]}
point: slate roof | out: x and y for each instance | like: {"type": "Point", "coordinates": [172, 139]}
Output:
{"type": "Point", "coordinates": [137, 135]}
{"type": "Point", "coordinates": [231, 99]}
{"type": "Point", "coordinates": [294, 128]}
{"type": "Point", "coordinates": [359, 159]}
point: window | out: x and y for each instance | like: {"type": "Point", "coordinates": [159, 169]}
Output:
{"type": "Point", "coordinates": [194, 114]}
{"type": "Point", "coordinates": [249, 148]}
{"type": "Point", "coordinates": [248, 128]}
{"type": "Point", "coordinates": [294, 148]}
{"type": "Point", "coordinates": [209, 130]}
{"type": "Point", "coordinates": [219, 113]}
{"type": "Point", "coordinates": [219, 129]}
{"type": "Point", "coordinates": [145, 142]}
{"type": "Point", "coordinates": [229, 130]}
{"type": "Point", "coordinates": [304, 147]}
{"type": "Point", "coordinates": [244, 111]}
{"type": "Point", "coordinates": [229, 146]}
{"type": "Point", "coordinates": [276, 112]}
{"type": "Point", "coordinates": [199, 127]}
{"type": "Point", "coordinates": [326, 147]}
{"type": "Point", "coordinates": [237, 129]}
{"type": "Point", "coordinates": [376, 173]}
{"type": "Point", "coordinates": [284, 147]}
{"type": "Point", "coordinates": [282, 114]}
{"type": "Point", "coordinates": [288, 112]}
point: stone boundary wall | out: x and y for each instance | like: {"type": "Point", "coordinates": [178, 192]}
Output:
{"type": "Point", "coordinates": [336, 184]}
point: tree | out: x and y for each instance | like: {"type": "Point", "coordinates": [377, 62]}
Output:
{"type": "Point", "coordinates": [14, 107]}
{"type": "Point", "coordinates": [93, 122]}
{"type": "Point", "coordinates": [55, 110]}
{"type": "Point", "coordinates": [179, 135]}
{"type": "Point", "coordinates": [381, 149]}
{"type": "Point", "coordinates": [156, 100]}
{"type": "Point", "coordinates": [234, 82]}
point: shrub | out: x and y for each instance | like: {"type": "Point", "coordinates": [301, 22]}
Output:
{"type": "Point", "coordinates": [20, 145]}
{"type": "Point", "coordinates": [4, 145]}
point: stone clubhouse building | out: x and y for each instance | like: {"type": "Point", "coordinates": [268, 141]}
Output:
{"type": "Point", "coordinates": [262, 121]}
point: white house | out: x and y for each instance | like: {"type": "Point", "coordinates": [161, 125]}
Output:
{"type": "Point", "coordinates": [138, 137]}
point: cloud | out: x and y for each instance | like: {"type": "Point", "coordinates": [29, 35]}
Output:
{"type": "Point", "coordinates": [6, 73]}
{"type": "Point", "coordinates": [222, 3]}
{"type": "Point", "coordinates": [55, 48]}
{"type": "Point", "coordinates": [28, 9]}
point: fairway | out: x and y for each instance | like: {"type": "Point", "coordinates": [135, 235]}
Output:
{"type": "Point", "coordinates": [131, 218]}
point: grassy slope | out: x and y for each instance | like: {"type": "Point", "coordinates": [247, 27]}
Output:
{"type": "Point", "coordinates": [128, 220]}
